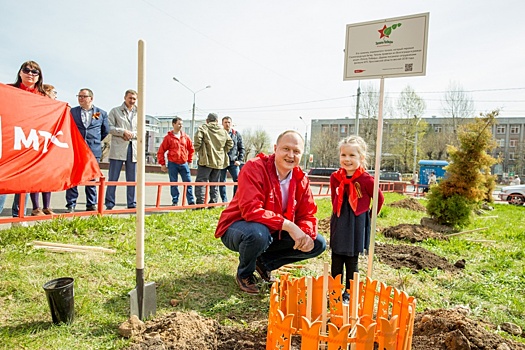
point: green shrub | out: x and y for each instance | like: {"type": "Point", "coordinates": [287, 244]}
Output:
{"type": "Point", "coordinates": [455, 211]}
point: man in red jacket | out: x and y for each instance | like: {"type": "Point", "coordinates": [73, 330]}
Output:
{"type": "Point", "coordinates": [270, 220]}
{"type": "Point", "coordinates": [179, 149]}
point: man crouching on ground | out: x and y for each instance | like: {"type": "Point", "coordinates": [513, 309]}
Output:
{"type": "Point", "coordinates": [270, 220]}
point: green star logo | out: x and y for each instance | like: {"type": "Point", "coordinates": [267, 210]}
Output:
{"type": "Point", "coordinates": [386, 31]}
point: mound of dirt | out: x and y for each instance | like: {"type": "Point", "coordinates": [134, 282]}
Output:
{"type": "Point", "coordinates": [412, 233]}
{"type": "Point", "coordinates": [324, 226]}
{"type": "Point", "coordinates": [433, 329]}
{"type": "Point", "coordinates": [190, 331]}
{"type": "Point", "coordinates": [409, 203]}
{"type": "Point", "coordinates": [453, 330]}
{"type": "Point", "coordinates": [412, 257]}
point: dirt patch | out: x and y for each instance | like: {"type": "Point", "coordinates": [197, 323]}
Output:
{"type": "Point", "coordinates": [324, 226]}
{"type": "Point", "coordinates": [409, 203]}
{"type": "Point", "coordinates": [412, 233]}
{"type": "Point", "coordinates": [434, 329]}
{"type": "Point", "coordinates": [413, 257]}
{"type": "Point", "coordinates": [190, 331]}
{"type": "Point", "coordinates": [453, 330]}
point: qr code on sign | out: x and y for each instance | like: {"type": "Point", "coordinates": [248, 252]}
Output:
{"type": "Point", "coordinates": [408, 67]}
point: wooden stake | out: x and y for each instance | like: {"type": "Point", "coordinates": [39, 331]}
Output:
{"type": "Point", "coordinates": [468, 231]}
{"type": "Point", "coordinates": [309, 298]}
{"type": "Point", "coordinates": [324, 301]}
{"type": "Point", "coordinates": [72, 247]}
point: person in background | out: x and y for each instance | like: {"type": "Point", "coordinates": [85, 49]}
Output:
{"type": "Point", "coordinates": [271, 220]}
{"type": "Point", "coordinates": [432, 179]}
{"type": "Point", "coordinates": [46, 196]}
{"type": "Point", "coordinates": [31, 79]}
{"type": "Point", "coordinates": [351, 191]}
{"type": "Point", "coordinates": [179, 148]}
{"type": "Point", "coordinates": [123, 149]}
{"type": "Point", "coordinates": [50, 91]}
{"type": "Point", "coordinates": [515, 181]}
{"type": "Point", "coordinates": [415, 179]}
{"type": "Point", "coordinates": [235, 155]}
{"type": "Point", "coordinates": [212, 144]}
{"type": "Point", "coordinates": [92, 123]}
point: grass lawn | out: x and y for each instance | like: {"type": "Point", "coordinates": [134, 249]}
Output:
{"type": "Point", "coordinates": [190, 265]}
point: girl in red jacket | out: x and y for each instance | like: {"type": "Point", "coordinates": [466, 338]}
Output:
{"type": "Point", "coordinates": [351, 190]}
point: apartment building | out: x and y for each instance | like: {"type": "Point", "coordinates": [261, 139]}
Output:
{"type": "Point", "coordinates": [509, 133]}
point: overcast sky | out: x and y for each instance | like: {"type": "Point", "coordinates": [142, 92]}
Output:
{"type": "Point", "coordinates": [268, 62]}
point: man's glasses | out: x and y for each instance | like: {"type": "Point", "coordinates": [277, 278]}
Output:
{"type": "Point", "coordinates": [31, 71]}
{"type": "Point", "coordinates": [83, 96]}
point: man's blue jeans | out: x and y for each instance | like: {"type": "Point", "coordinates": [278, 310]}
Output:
{"type": "Point", "coordinates": [91, 195]}
{"type": "Point", "coordinates": [2, 202]}
{"type": "Point", "coordinates": [16, 207]}
{"type": "Point", "coordinates": [234, 172]}
{"type": "Point", "coordinates": [174, 170]}
{"type": "Point", "coordinates": [253, 240]}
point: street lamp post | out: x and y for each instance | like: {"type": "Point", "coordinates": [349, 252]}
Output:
{"type": "Point", "coordinates": [192, 126]}
{"type": "Point", "coordinates": [305, 142]}
{"type": "Point", "coordinates": [415, 147]}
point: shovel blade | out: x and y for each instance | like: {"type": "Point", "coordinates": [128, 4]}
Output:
{"type": "Point", "coordinates": [149, 303]}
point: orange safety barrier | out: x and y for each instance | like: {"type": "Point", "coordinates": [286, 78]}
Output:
{"type": "Point", "coordinates": [319, 190]}
{"type": "Point", "coordinates": [313, 309]}
{"type": "Point", "coordinates": [150, 207]}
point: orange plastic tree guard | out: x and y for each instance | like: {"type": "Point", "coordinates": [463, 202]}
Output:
{"type": "Point", "coordinates": [385, 316]}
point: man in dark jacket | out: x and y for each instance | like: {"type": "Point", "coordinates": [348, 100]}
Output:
{"type": "Point", "coordinates": [211, 143]}
{"type": "Point", "coordinates": [92, 122]}
{"type": "Point", "coordinates": [236, 156]}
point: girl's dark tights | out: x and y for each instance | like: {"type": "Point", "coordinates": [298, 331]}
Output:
{"type": "Point", "coordinates": [349, 263]}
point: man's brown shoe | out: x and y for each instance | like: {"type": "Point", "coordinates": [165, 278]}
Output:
{"type": "Point", "coordinates": [247, 284]}
{"type": "Point", "coordinates": [265, 274]}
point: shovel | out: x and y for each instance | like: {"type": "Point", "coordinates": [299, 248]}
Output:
{"type": "Point", "coordinates": [143, 299]}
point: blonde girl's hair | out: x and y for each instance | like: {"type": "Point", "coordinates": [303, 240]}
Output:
{"type": "Point", "coordinates": [361, 146]}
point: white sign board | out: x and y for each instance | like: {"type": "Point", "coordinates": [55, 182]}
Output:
{"type": "Point", "coordinates": [394, 47]}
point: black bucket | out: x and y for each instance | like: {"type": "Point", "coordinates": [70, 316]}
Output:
{"type": "Point", "coordinates": [61, 299]}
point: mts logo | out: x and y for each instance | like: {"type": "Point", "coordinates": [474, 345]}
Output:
{"type": "Point", "coordinates": [33, 140]}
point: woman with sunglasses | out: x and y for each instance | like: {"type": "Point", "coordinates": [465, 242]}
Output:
{"type": "Point", "coordinates": [30, 79]}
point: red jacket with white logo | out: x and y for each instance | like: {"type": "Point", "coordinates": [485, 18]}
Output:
{"type": "Point", "coordinates": [259, 199]}
{"type": "Point", "coordinates": [180, 150]}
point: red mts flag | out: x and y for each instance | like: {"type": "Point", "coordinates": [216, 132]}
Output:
{"type": "Point", "coordinates": [41, 149]}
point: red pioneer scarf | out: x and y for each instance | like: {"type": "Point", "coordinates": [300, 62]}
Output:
{"type": "Point", "coordinates": [354, 188]}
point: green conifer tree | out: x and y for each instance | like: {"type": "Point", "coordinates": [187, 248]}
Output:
{"type": "Point", "coordinates": [468, 182]}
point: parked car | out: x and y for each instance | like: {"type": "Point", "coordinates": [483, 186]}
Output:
{"type": "Point", "coordinates": [320, 174]}
{"type": "Point", "coordinates": [387, 175]}
{"type": "Point", "coordinates": [513, 194]}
